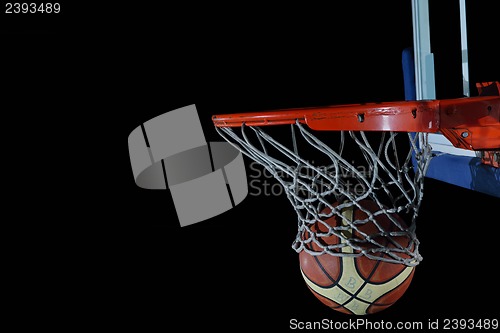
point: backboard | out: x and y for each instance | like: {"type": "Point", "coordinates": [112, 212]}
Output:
{"type": "Point", "coordinates": [453, 165]}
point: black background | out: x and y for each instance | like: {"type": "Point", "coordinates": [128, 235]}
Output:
{"type": "Point", "coordinates": [93, 246]}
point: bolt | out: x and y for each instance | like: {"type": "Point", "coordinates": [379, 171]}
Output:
{"type": "Point", "coordinates": [464, 134]}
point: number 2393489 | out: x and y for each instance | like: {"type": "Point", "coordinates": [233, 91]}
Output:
{"type": "Point", "coordinates": [32, 8]}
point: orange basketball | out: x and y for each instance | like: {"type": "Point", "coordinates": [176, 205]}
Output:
{"type": "Point", "coordinates": [356, 285]}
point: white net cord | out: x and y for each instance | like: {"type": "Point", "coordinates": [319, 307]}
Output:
{"type": "Point", "coordinates": [389, 175]}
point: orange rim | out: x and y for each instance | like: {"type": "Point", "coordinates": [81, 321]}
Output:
{"type": "Point", "coordinates": [469, 123]}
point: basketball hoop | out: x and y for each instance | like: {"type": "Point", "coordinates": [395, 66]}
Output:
{"type": "Point", "coordinates": [370, 152]}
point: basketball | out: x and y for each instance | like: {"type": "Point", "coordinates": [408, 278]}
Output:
{"type": "Point", "coordinates": [355, 284]}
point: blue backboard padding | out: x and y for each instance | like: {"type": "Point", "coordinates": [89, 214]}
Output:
{"type": "Point", "coordinates": [463, 171]}
{"type": "Point", "coordinates": [409, 74]}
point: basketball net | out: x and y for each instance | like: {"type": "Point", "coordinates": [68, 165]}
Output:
{"type": "Point", "coordinates": [382, 174]}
